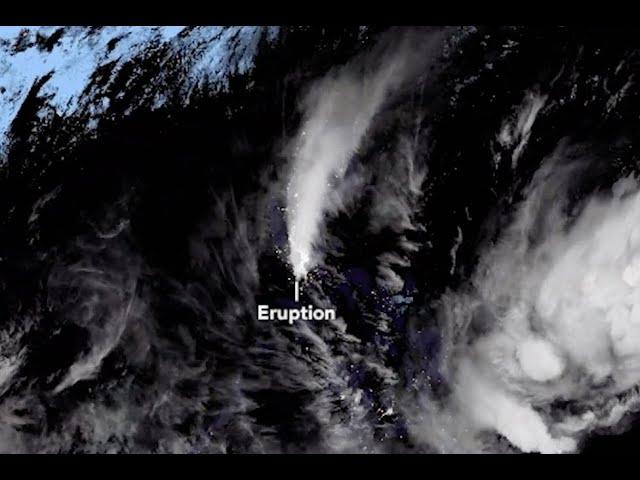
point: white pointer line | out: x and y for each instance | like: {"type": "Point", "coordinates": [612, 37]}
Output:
{"type": "Point", "coordinates": [297, 292]}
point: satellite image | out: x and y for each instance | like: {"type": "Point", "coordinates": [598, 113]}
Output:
{"type": "Point", "coordinates": [307, 239]}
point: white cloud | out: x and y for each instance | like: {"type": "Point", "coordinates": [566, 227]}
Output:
{"type": "Point", "coordinates": [561, 295]}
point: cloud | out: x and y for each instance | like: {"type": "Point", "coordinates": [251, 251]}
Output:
{"type": "Point", "coordinates": [559, 300]}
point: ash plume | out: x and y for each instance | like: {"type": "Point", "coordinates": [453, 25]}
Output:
{"type": "Point", "coordinates": [339, 110]}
